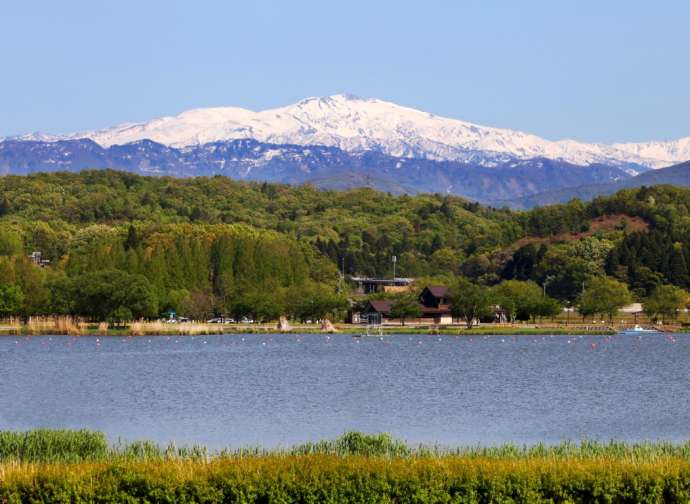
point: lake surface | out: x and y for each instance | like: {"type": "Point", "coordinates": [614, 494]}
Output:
{"type": "Point", "coordinates": [236, 390]}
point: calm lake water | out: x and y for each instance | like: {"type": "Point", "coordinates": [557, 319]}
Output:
{"type": "Point", "coordinates": [236, 390]}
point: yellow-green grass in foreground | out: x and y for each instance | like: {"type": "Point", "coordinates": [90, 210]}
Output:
{"type": "Point", "coordinates": [69, 466]}
{"type": "Point", "coordinates": [351, 479]}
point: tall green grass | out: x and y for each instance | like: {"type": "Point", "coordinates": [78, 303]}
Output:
{"type": "Point", "coordinates": [44, 445]}
{"type": "Point", "coordinates": [68, 446]}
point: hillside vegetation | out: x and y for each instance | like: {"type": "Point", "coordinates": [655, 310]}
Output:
{"type": "Point", "coordinates": [208, 245]}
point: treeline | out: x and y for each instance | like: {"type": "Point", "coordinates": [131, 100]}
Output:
{"type": "Point", "coordinates": [524, 300]}
{"type": "Point", "coordinates": [214, 245]}
{"type": "Point", "coordinates": [127, 272]}
{"type": "Point", "coordinates": [643, 259]}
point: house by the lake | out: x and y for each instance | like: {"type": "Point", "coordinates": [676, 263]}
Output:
{"type": "Point", "coordinates": [377, 311]}
{"type": "Point", "coordinates": [434, 304]}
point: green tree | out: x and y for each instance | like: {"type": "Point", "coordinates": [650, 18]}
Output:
{"type": "Point", "coordinates": [98, 295]}
{"type": "Point", "coordinates": [677, 268]}
{"type": "Point", "coordinates": [313, 301]}
{"type": "Point", "coordinates": [547, 307]}
{"type": "Point", "coordinates": [605, 296]}
{"type": "Point", "coordinates": [4, 206]}
{"type": "Point", "coordinates": [469, 301]}
{"type": "Point", "coordinates": [405, 307]}
{"type": "Point", "coordinates": [523, 264]}
{"type": "Point", "coordinates": [521, 300]}
{"type": "Point", "coordinates": [567, 271]}
{"type": "Point", "coordinates": [32, 279]}
{"type": "Point", "coordinates": [265, 303]}
{"type": "Point", "coordinates": [665, 302]}
{"type": "Point", "coordinates": [11, 299]}
{"type": "Point", "coordinates": [174, 301]}
{"type": "Point", "coordinates": [10, 242]}
{"type": "Point", "coordinates": [120, 316]}
{"type": "Point", "coordinates": [132, 240]}
{"type": "Point", "coordinates": [446, 259]}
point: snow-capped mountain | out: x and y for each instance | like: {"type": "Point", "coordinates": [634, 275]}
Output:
{"type": "Point", "coordinates": [339, 142]}
{"type": "Point", "coordinates": [358, 125]}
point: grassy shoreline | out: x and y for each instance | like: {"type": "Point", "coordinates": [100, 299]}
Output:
{"type": "Point", "coordinates": [353, 468]}
{"type": "Point", "coordinates": [67, 325]}
{"type": "Point", "coordinates": [345, 331]}
{"type": "Point", "coordinates": [77, 328]}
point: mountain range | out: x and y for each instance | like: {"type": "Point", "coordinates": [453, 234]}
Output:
{"type": "Point", "coordinates": [677, 175]}
{"type": "Point", "coordinates": [343, 141]}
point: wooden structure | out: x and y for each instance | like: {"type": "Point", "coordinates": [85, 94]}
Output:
{"type": "Point", "coordinates": [366, 285]}
{"type": "Point", "coordinates": [434, 304]}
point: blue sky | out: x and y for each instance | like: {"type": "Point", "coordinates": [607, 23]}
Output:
{"type": "Point", "coordinates": [591, 70]}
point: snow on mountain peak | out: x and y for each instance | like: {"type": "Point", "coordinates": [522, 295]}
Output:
{"type": "Point", "coordinates": [357, 124]}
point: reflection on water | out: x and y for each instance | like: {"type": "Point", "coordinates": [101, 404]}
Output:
{"type": "Point", "coordinates": [234, 390]}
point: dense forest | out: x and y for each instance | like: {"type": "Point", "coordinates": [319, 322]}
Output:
{"type": "Point", "coordinates": [119, 245]}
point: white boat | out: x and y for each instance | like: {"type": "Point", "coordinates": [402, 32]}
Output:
{"type": "Point", "coordinates": [637, 329]}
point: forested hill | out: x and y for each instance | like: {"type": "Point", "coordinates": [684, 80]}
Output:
{"type": "Point", "coordinates": [365, 225]}
{"type": "Point", "coordinates": [214, 242]}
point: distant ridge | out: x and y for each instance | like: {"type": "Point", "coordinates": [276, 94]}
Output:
{"type": "Point", "coordinates": [327, 167]}
{"type": "Point", "coordinates": [678, 175]}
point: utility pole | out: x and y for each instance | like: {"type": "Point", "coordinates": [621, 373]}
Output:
{"type": "Point", "coordinates": [546, 282]}
{"type": "Point", "coordinates": [395, 260]}
{"type": "Point", "coordinates": [342, 275]}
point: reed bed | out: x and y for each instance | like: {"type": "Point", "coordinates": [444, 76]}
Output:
{"type": "Point", "coordinates": [12, 325]}
{"type": "Point", "coordinates": [143, 328]}
{"type": "Point", "coordinates": [64, 324]}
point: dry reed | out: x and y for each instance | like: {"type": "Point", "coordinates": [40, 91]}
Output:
{"type": "Point", "coordinates": [143, 328]}
{"type": "Point", "coordinates": [62, 324]}
{"type": "Point", "coordinates": [12, 325]}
